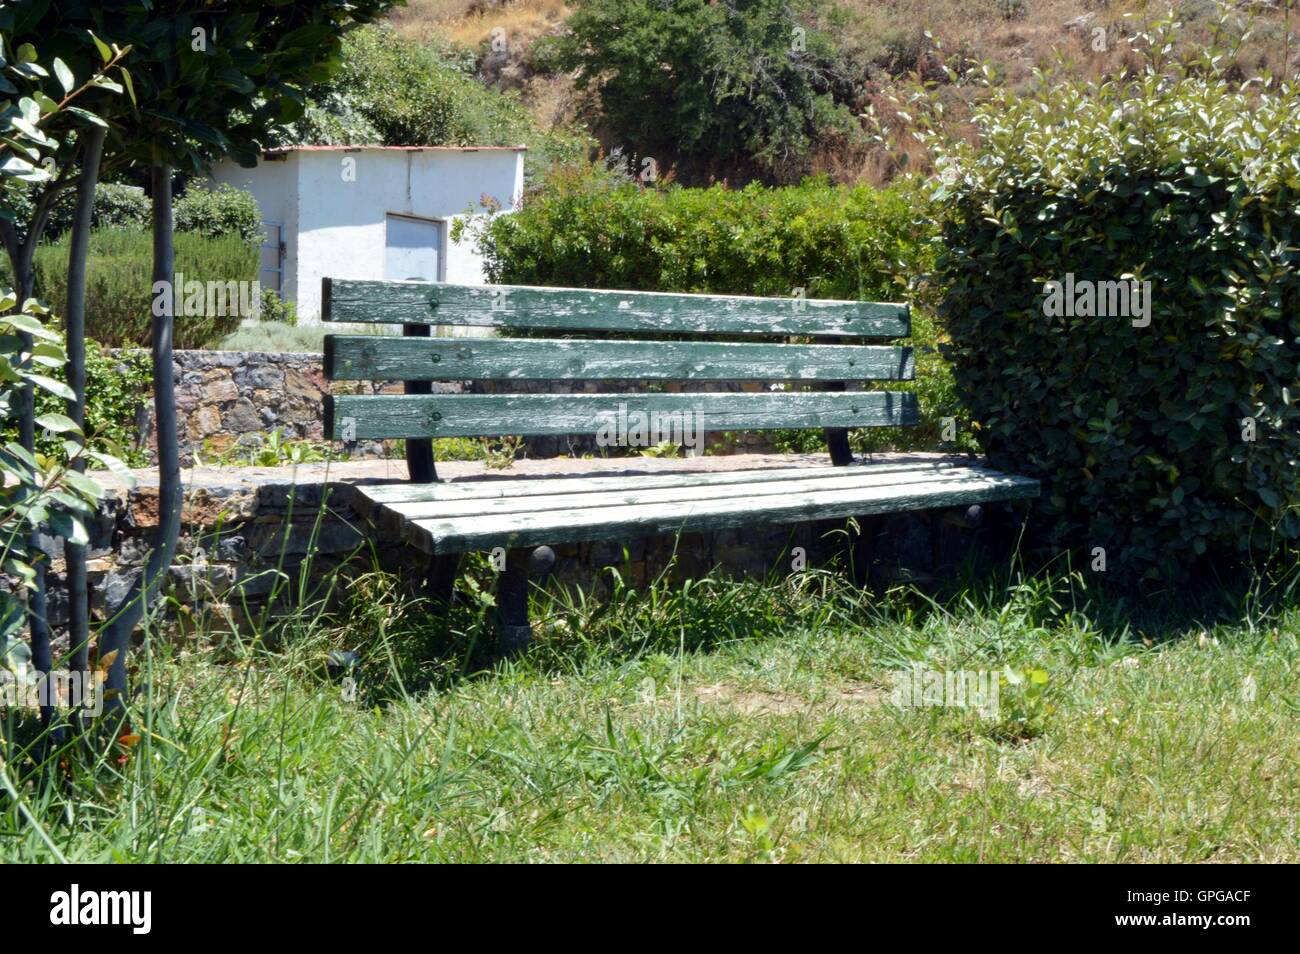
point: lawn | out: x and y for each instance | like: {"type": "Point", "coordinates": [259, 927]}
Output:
{"type": "Point", "coordinates": [707, 721]}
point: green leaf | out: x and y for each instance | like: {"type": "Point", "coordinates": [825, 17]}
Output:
{"type": "Point", "coordinates": [32, 326]}
{"type": "Point", "coordinates": [64, 75]}
{"type": "Point", "coordinates": [130, 86]}
{"type": "Point", "coordinates": [57, 388]}
{"type": "Point", "coordinates": [88, 116]}
{"type": "Point", "coordinates": [16, 167]}
{"type": "Point", "coordinates": [113, 464]}
{"type": "Point", "coordinates": [105, 53]}
{"type": "Point", "coordinates": [69, 527]}
{"type": "Point", "coordinates": [58, 423]}
{"type": "Point", "coordinates": [84, 485]}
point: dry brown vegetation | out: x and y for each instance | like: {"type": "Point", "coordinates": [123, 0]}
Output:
{"type": "Point", "coordinates": [898, 43]}
{"type": "Point", "coordinates": [471, 22]}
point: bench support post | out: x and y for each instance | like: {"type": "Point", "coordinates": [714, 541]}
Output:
{"type": "Point", "coordinates": [440, 583]}
{"type": "Point", "coordinates": [862, 549]}
{"type": "Point", "coordinates": [513, 628]}
{"type": "Point", "coordinates": [837, 438]}
{"type": "Point", "coordinates": [837, 442]}
{"type": "Point", "coordinates": [419, 451]}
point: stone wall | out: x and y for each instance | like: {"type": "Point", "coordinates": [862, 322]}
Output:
{"type": "Point", "coordinates": [228, 393]}
{"type": "Point", "coordinates": [225, 398]}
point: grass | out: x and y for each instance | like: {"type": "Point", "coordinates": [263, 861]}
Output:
{"type": "Point", "coordinates": [276, 336]}
{"type": "Point", "coordinates": [704, 721]}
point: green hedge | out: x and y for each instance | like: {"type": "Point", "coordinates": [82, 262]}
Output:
{"type": "Point", "coordinates": [1138, 433]}
{"type": "Point", "coordinates": [588, 228]}
{"type": "Point", "coordinates": [119, 283]}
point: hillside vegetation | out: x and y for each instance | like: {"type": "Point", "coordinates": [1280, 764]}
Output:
{"type": "Point", "coordinates": [882, 51]}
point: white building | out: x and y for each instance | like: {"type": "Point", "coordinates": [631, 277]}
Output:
{"type": "Point", "coordinates": [372, 212]}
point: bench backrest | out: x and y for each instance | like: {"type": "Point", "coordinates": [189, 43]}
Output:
{"type": "Point", "coordinates": [418, 359]}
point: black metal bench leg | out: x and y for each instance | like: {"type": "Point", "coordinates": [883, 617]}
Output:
{"type": "Point", "coordinates": [862, 552]}
{"type": "Point", "coordinates": [440, 584]}
{"type": "Point", "coordinates": [513, 628]}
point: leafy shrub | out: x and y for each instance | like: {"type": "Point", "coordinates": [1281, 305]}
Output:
{"type": "Point", "coordinates": [118, 384]}
{"type": "Point", "coordinates": [217, 212]}
{"type": "Point", "coordinates": [223, 211]}
{"type": "Point", "coordinates": [116, 206]}
{"type": "Point", "coordinates": [275, 308]}
{"type": "Point", "coordinates": [395, 91]}
{"type": "Point", "coordinates": [333, 120]}
{"type": "Point", "coordinates": [1140, 434]}
{"type": "Point", "coordinates": [723, 85]}
{"type": "Point", "coordinates": [409, 92]}
{"type": "Point", "coordinates": [589, 228]}
{"type": "Point", "coordinates": [269, 449]}
{"type": "Point", "coordinates": [119, 206]}
{"type": "Point", "coordinates": [119, 283]}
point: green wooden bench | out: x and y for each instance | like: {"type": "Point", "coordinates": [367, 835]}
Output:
{"type": "Point", "coordinates": [523, 516]}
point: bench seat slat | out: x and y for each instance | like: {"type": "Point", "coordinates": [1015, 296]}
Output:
{"type": "Point", "coordinates": [511, 486]}
{"type": "Point", "coordinates": [383, 416]}
{"type": "Point", "coordinates": [385, 358]}
{"type": "Point", "coordinates": [577, 524]}
{"type": "Point", "coordinates": [369, 499]}
{"type": "Point", "coordinates": [582, 309]}
{"type": "Point", "coordinates": [394, 517]}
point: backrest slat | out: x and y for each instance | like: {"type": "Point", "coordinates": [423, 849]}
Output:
{"type": "Point", "coordinates": [383, 416]}
{"type": "Point", "coordinates": [623, 312]}
{"type": "Point", "coordinates": [610, 351]}
{"type": "Point", "coordinates": [385, 358]}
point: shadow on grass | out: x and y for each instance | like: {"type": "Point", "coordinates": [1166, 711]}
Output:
{"type": "Point", "coordinates": [405, 648]}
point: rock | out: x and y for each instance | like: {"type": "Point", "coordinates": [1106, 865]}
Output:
{"type": "Point", "coordinates": [231, 548]}
{"type": "Point", "coordinates": [220, 391]}
{"type": "Point", "coordinates": [114, 587]}
{"type": "Point", "coordinates": [300, 386]}
{"type": "Point", "coordinates": [1081, 24]}
{"type": "Point", "coordinates": [205, 421]}
{"type": "Point", "coordinates": [264, 377]}
{"type": "Point", "coordinates": [208, 578]}
{"type": "Point", "coordinates": [243, 417]}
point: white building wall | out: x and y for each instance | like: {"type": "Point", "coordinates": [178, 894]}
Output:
{"type": "Point", "coordinates": [344, 196]}
{"type": "Point", "coordinates": [275, 187]}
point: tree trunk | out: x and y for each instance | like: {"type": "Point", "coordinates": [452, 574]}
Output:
{"type": "Point", "coordinates": [38, 622]}
{"type": "Point", "coordinates": [117, 636]}
{"type": "Point", "coordinates": [21, 260]}
{"type": "Point", "coordinates": [74, 320]}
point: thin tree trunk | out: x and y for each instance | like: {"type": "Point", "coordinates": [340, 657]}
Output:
{"type": "Point", "coordinates": [21, 259]}
{"type": "Point", "coordinates": [74, 320]}
{"type": "Point", "coordinates": [38, 620]}
{"type": "Point", "coordinates": [117, 636]}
